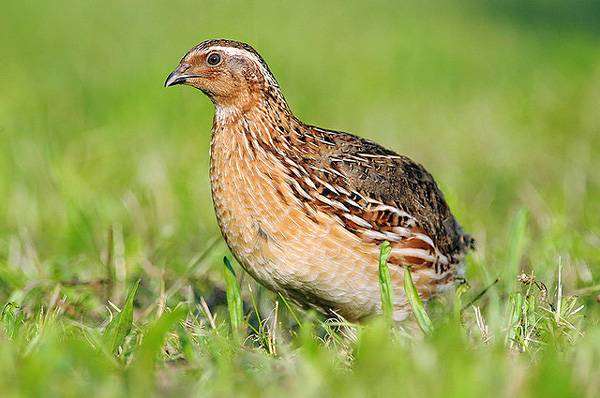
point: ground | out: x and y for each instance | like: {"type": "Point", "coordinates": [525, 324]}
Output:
{"type": "Point", "coordinates": [104, 188]}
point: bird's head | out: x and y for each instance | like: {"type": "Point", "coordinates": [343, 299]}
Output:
{"type": "Point", "coordinates": [230, 73]}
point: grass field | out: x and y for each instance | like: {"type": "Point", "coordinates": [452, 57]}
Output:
{"type": "Point", "coordinates": [104, 183]}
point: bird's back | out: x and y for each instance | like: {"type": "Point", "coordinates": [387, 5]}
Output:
{"type": "Point", "coordinates": [398, 181]}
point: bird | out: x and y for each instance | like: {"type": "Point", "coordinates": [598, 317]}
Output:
{"type": "Point", "coordinates": [304, 209]}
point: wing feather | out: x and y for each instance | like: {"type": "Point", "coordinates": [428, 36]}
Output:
{"type": "Point", "coordinates": [382, 196]}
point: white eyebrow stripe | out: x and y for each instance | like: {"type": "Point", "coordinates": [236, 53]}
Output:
{"type": "Point", "coordinates": [248, 54]}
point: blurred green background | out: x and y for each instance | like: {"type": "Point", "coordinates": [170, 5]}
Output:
{"type": "Point", "coordinates": [104, 173]}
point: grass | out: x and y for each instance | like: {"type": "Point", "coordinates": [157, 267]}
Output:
{"type": "Point", "coordinates": [385, 282]}
{"type": "Point", "coordinates": [104, 183]}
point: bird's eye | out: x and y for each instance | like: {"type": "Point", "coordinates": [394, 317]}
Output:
{"type": "Point", "coordinates": [213, 59]}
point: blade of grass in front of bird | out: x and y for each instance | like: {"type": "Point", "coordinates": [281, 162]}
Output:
{"type": "Point", "coordinates": [290, 309]}
{"type": "Point", "coordinates": [385, 282]}
{"type": "Point", "coordinates": [234, 299]}
{"type": "Point", "coordinates": [120, 326]}
{"type": "Point", "coordinates": [260, 329]}
{"type": "Point", "coordinates": [416, 304]}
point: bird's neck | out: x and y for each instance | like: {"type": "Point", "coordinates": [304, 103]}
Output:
{"type": "Point", "coordinates": [248, 103]}
{"type": "Point", "coordinates": [267, 120]}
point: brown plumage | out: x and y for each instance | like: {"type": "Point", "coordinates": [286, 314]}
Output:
{"type": "Point", "coordinates": [304, 209]}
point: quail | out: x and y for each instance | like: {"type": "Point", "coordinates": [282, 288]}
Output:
{"type": "Point", "coordinates": [305, 209]}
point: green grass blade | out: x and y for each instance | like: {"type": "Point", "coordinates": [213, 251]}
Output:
{"type": "Point", "coordinates": [517, 240]}
{"type": "Point", "coordinates": [154, 337]}
{"type": "Point", "coordinates": [416, 304]}
{"type": "Point", "coordinates": [290, 309]}
{"type": "Point", "coordinates": [458, 300]}
{"type": "Point", "coordinates": [142, 367]}
{"type": "Point", "coordinates": [515, 303]}
{"type": "Point", "coordinates": [234, 299]}
{"type": "Point", "coordinates": [559, 293]}
{"type": "Point", "coordinates": [385, 282]}
{"type": "Point", "coordinates": [120, 326]}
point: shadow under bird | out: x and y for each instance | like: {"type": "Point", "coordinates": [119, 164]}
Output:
{"type": "Point", "coordinates": [305, 209]}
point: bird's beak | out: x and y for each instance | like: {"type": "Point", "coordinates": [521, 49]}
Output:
{"type": "Point", "coordinates": [179, 75]}
{"type": "Point", "coordinates": [175, 77]}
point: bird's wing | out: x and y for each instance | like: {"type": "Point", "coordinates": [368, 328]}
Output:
{"type": "Point", "coordinates": [382, 196]}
